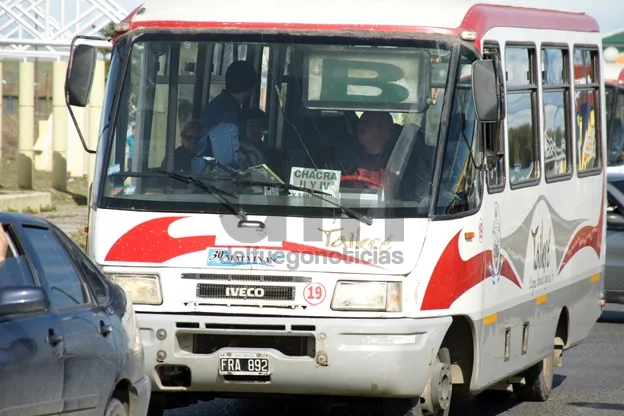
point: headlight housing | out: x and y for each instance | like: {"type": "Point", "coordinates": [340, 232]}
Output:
{"type": "Point", "coordinates": [143, 289]}
{"type": "Point", "coordinates": [367, 296]}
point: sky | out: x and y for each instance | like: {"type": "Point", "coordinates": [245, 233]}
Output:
{"type": "Point", "coordinates": [606, 12]}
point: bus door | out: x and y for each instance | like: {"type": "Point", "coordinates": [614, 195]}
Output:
{"type": "Point", "coordinates": [495, 195]}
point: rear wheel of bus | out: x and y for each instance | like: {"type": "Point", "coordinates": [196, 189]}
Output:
{"type": "Point", "coordinates": [435, 400]}
{"type": "Point", "coordinates": [538, 381]}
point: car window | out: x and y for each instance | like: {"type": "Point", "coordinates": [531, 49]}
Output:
{"type": "Point", "coordinates": [14, 270]}
{"type": "Point", "coordinates": [611, 204]}
{"type": "Point", "coordinates": [66, 288]}
{"type": "Point", "coordinates": [619, 185]}
{"type": "Point", "coordinates": [88, 270]}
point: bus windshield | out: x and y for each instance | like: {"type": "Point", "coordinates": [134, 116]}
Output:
{"type": "Point", "coordinates": [615, 132]}
{"type": "Point", "coordinates": [357, 122]}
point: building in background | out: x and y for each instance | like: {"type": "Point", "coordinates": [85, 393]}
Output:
{"type": "Point", "coordinates": [10, 103]}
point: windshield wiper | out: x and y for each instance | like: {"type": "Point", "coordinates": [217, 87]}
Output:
{"type": "Point", "coordinates": [211, 189]}
{"type": "Point", "coordinates": [288, 187]}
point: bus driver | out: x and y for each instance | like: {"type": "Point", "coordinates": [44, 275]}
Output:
{"type": "Point", "coordinates": [375, 137]}
{"type": "Point", "coordinates": [221, 132]}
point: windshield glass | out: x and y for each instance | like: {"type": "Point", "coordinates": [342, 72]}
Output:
{"type": "Point", "coordinates": [358, 122]}
{"type": "Point", "coordinates": [615, 116]}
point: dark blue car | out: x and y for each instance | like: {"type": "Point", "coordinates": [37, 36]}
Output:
{"type": "Point", "coordinates": [69, 340]}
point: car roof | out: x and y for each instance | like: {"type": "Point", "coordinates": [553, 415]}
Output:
{"type": "Point", "coordinates": [23, 218]}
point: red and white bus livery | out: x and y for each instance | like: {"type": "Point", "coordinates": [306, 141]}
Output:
{"type": "Point", "coordinates": [397, 199]}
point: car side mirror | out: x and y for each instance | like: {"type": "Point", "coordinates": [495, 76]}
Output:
{"type": "Point", "coordinates": [615, 221]}
{"type": "Point", "coordinates": [486, 91]}
{"type": "Point", "coordinates": [80, 72]}
{"type": "Point", "coordinates": [15, 300]}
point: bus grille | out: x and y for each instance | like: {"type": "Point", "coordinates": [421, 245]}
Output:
{"type": "Point", "coordinates": [247, 278]}
{"type": "Point", "coordinates": [273, 293]}
{"type": "Point", "coordinates": [292, 346]}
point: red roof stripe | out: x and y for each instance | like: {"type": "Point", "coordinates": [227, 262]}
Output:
{"type": "Point", "coordinates": [480, 18]}
{"type": "Point", "coordinates": [288, 27]}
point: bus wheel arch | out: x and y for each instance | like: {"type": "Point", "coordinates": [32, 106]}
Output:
{"type": "Point", "coordinates": [460, 344]}
{"type": "Point", "coordinates": [539, 378]}
{"type": "Point", "coordinates": [561, 336]}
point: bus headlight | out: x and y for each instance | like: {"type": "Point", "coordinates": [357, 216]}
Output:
{"type": "Point", "coordinates": [367, 296]}
{"type": "Point", "coordinates": [142, 289]}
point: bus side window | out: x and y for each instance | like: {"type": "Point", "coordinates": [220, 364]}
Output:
{"type": "Point", "coordinates": [555, 112]}
{"type": "Point", "coordinates": [522, 114]}
{"type": "Point", "coordinates": [587, 97]}
{"type": "Point", "coordinates": [494, 139]}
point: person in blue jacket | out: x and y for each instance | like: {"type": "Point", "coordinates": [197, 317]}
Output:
{"type": "Point", "coordinates": [223, 117]}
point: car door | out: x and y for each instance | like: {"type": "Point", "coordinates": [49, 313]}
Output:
{"type": "Point", "coordinates": [90, 354]}
{"type": "Point", "coordinates": [31, 346]}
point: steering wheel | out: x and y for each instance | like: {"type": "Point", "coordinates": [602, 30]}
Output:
{"type": "Point", "coordinates": [362, 179]}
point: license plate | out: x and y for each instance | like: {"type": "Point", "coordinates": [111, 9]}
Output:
{"type": "Point", "coordinates": [244, 364]}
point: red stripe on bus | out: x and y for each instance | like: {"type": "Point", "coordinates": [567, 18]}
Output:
{"type": "Point", "coordinates": [453, 276]}
{"type": "Point", "coordinates": [588, 236]}
{"type": "Point", "coordinates": [150, 242]}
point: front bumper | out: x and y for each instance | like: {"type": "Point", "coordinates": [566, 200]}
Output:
{"type": "Point", "coordinates": [320, 356]}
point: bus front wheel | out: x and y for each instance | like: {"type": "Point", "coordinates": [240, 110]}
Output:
{"type": "Point", "coordinates": [435, 400]}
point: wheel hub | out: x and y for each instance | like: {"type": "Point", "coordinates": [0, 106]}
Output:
{"type": "Point", "coordinates": [441, 386]}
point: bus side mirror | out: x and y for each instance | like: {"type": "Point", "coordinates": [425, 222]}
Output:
{"type": "Point", "coordinates": [486, 92]}
{"type": "Point", "coordinates": [80, 72]}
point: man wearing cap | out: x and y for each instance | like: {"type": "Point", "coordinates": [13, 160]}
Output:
{"type": "Point", "coordinates": [221, 122]}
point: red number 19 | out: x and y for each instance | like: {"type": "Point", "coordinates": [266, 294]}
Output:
{"type": "Point", "coordinates": [314, 293]}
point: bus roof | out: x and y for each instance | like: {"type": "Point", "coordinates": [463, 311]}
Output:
{"type": "Point", "coordinates": [440, 16]}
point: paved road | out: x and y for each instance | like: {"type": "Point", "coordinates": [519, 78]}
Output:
{"type": "Point", "coordinates": [591, 382]}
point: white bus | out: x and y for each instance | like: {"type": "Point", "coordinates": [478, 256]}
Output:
{"type": "Point", "coordinates": [425, 220]}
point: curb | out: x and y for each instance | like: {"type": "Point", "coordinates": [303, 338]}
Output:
{"type": "Point", "coordinates": [26, 200]}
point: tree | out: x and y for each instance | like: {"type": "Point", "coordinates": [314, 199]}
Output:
{"type": "Point", "coordinates": [107, 31]}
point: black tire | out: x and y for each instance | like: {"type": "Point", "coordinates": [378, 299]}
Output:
{"type": "Point", "coordinates": [539, 381]}
{"type": "Point", "coordinates": [155, 410]}
{"type": "Point", "coordinates": [116, 408]}
{"type": "Point", "coordinates": [402, 407]}
{"type": "Point", "coordinates": [493, 396]}
{"type": "Point", "coordinates": [412, 407]}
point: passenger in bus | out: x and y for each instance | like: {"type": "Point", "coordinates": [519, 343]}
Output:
{"type": "Point", "coordinates": [183, 154]}
{"type": "Point", "coordinates": [253, 151]}
{"type": "Point", "coordinates": [375, 135]}
{"type": "Point", "coordinates": [257, 124]}
{"type": "Point", "coordinates": [130, 140]}
{"type": "Point", "coordinates": [220, 136]}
